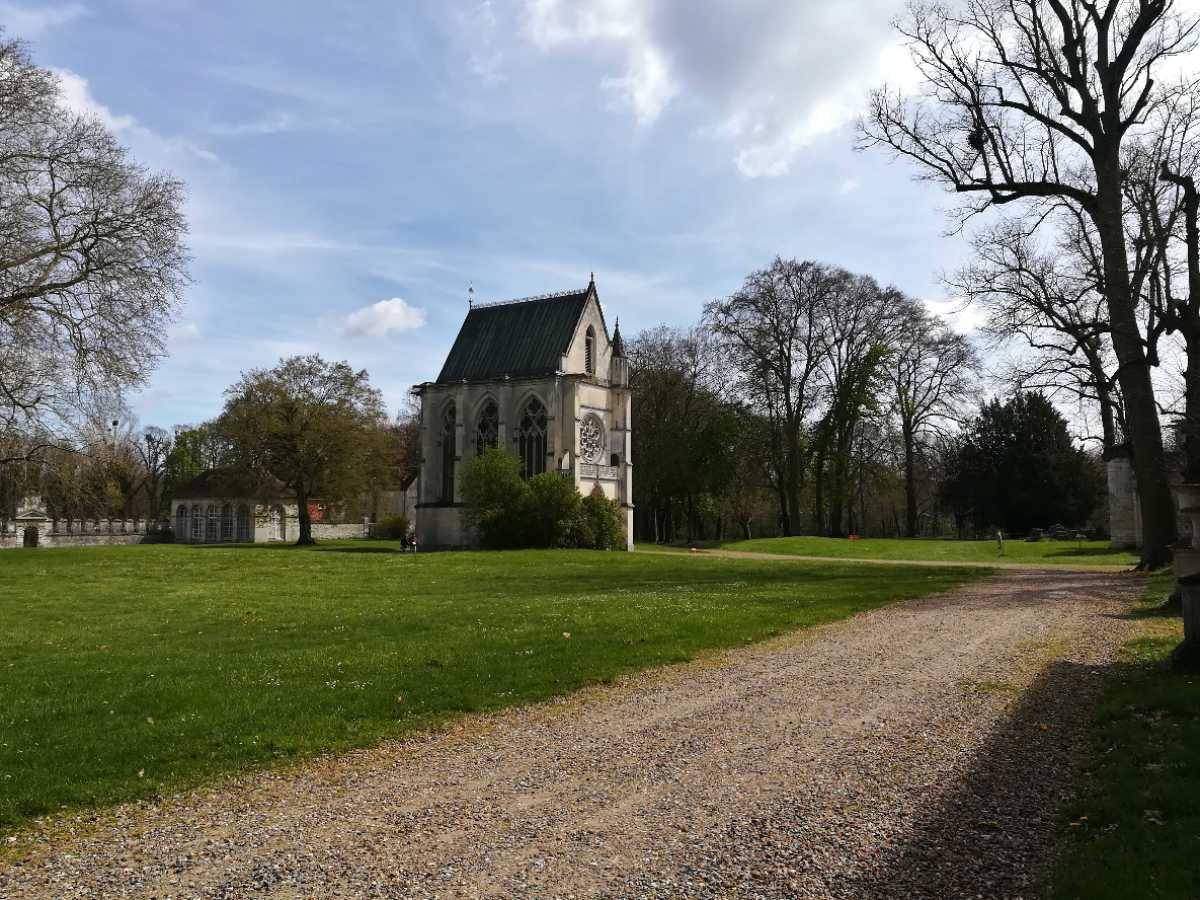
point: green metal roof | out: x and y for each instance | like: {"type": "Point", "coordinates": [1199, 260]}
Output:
{"type": "Point", "coordinates": [518, 338]}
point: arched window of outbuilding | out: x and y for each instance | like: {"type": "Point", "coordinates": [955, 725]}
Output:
{"type": "Point", "coordinates": [531, 437]}
{"type": "Point", "coordinates": [243, 522]}
{"type": "Point", "coordinates": [227, 522]}
{"type": "Point", "coordinates": [487, 427]}
{"type": "Point", "coordinates": [181, 523]}
{"type": "Point", "coordinates": [449, 427]}
{"type": "Point", "coordinates": [589, 351]}
{"type": "Point", "coordinates": [213, 532]}
{"type": "Point", "coordinates": [197, 523]}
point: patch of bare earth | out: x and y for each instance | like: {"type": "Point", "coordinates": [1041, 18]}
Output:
{"type": "Point", "coordinates": [922, 750]}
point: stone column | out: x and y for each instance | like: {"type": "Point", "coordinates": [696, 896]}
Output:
{"type": "Point", "coordinates": [1123, 511]}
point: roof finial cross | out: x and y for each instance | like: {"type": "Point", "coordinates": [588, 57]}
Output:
{"type": "Point", "coordinates": [471, 295]}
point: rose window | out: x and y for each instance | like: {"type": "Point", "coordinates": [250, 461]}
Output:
{"type": "Point", "coordinates": [591, 440]}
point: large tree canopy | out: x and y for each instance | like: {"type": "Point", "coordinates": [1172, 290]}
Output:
{"type": "Point", "coordinates": [316, 426]}
{"type": "Point", "coordinates": [92, 259]}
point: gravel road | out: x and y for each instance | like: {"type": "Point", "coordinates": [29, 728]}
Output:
{"type": "Point", "coordinates": [923, 750]}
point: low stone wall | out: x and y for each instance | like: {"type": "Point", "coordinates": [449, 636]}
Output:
{"type": "Point", "coordinates": [325, 531]}
{"type": "Point", "coordinates": [93, 533]}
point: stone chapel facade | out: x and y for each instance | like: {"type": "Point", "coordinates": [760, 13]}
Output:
{"type": "Point", "coordinates": [538, 376]}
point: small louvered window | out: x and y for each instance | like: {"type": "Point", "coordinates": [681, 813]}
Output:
{"type": "Point", "coordinates": [589, 351]}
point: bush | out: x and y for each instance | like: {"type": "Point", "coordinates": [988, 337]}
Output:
{"type": "Point", "coordinates": [553, 507]}
{"type": "Point", "coordinates": [546, 511]}
{"type": "Point", "coordinates": [497, 498]}
{"type": "Point", "coordinates": [604, 520]}
{"type": "Point", "coordinates": [391, 527]}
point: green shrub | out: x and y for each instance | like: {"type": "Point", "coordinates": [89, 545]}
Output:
{"type": "Point", "coordinates": [496, 498]}
{"type": "Point", "coordinates": [605, 524]}
{"type": "Point", "coordinates": [392, 527]}
{"type": "Point", "coordinates": [546, 511]}
{"type": "Point", "coordinates": [553, 506]}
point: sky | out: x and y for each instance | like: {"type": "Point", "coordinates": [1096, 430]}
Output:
{"type": "Point", "coordinates": [353, 167]}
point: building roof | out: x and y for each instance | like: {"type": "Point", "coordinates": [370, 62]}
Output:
{"type": "Point", "coordinates": [518, 338]}
{"type": "Point", "coordinates": [228, 483]}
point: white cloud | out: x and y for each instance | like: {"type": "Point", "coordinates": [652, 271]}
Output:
{"type": "Point", "coordinates": [272, 123]}
{"type": "Point", "coordinates": [76, 94]}
{"type": "Point", "coordinates": [646, 84]}
{"type": "Point", "coordinates": [773, 77]}
{"type": "Point", "coordinates": [33, 21]}
{"type": "Point", "coordinates": [961, 315]}
{"type": "Point", "coordinates": [183, 333]}
{"type": "Point", "coordinates": [384, 317]}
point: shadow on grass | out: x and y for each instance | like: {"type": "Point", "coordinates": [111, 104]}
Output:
{"type": "Point", "coordinates": [1081, 551]}
{"type": "Point", "coordinates": [993, 834]}
{"type": "Point", "coordinates": [383, 547]}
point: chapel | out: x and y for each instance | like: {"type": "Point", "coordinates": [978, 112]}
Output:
{"type": "Point", "coordinates": [540, 376]}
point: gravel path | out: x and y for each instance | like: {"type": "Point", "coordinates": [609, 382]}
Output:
{"type": "Point", "coordinates": [917, 751]}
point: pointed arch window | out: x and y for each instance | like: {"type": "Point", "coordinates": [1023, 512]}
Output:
{"type": "Point", "coordinates": [487, 427]}
{"type": "Point", "coordinates": [449, 426]}
{"type": "Point", "coordinates": [589, 351]}
{"type": "Point", "coordinates": [531, 438]}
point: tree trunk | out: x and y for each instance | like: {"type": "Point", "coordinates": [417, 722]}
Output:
{"type": "Point", "coordinates": [910, 484]}
{"type": "Point", "coordinates": [306, 538]}
{"type": "Point", "coordinates": [1191, 411]}
{"type": "Point", "coordinates": [793, 478]}
{"type": "Point", "coordinates": [1141, 413]}
{"type": "Point", "coordinates": [818, 515]}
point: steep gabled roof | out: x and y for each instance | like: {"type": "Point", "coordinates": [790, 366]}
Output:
{"type": "Point", "coordinates": [518, 338]}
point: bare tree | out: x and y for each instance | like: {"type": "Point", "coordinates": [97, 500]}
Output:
{"type": "Point", "coordinates": [855, 331]}
{"type": "Point", "coordinates": [92, 260]}
{"type": "Point", "coordinates": [1034, 101]}
{"type": "Point", "coordinates": [1049, 300]}
{"type": "Point", "coordinates": [932, 371]}
{"type": "Point", "coordinates": [773, 326]}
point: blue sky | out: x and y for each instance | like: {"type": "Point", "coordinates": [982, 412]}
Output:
{"type": "Point", "coordinates": [352, 167]}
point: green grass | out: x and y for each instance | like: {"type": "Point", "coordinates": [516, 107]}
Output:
{"type": "Point", "coordinates": [131, 671]}
{"type": "Point", "coordinates": [900, 549]}
{"type": "Point", "coordinates": [1137, 831]}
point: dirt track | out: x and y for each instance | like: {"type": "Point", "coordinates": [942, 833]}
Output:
{"type": "Point", "coordinates": [917, 751]}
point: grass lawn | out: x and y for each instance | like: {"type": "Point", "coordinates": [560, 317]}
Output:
{"type": "Point", "coordinates": [131, 671]}
{"type": "Point", "coordinates": [1137, 832]}
{"type": "Point", "coordinates": [1049, 552]}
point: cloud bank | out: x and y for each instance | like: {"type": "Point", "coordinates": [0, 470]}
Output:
{"type": "Point", "coordinates": [773, 77]}
{"type": "Point", "coordinates": [382, 318]}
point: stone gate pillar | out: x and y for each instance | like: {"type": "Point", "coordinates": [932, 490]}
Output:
{"type": "Point", "coordinates": [32, 523]}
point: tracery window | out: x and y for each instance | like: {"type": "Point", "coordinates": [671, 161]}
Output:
{"type": "Point", "coordinates": [181, 523]}
{"type": "Point", "coordinates": [213, 533]}
{"type": "Point", "coordinates": [243, 522]}
{"type": "Point", "coordinates": [531, 438]}
{"type": "Point", "coordinates": [197, 523]}
{"type": "Point", "coordinates": [589, 351]}
{"type": "Point", "coordinates": [226, 522]}
{"type": "Point", "coordinates": [591, 439]}
{"type": "Point", "coordinates": [487, 427]}
{"type": "Point", "coordinates": [449, 427]}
